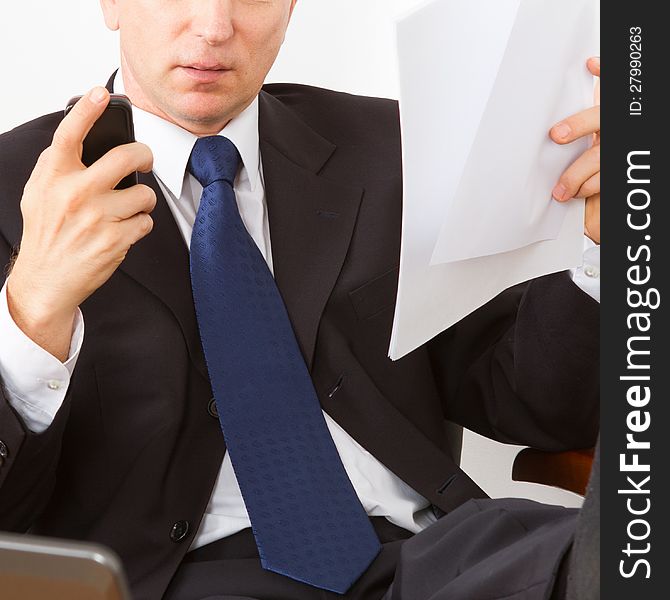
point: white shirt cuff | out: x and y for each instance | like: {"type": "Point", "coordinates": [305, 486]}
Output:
{"type": "Point", "coordinates": [35, 382]}
{"type": "Point", "coordinates": [587, 276]}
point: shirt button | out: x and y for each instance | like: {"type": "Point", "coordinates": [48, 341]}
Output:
{"type": "Point", "coordinates": [54, 384]}
{"type": "Point", "coordinates": [212, 409]}
{"type": "Point", "coordinates": [591, 271]}
{"type": "Point", "coordinates": [179, 531]}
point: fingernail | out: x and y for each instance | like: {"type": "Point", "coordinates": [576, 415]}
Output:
{"type": "Point", "coordinates": [560, 192]}
{"type": "Point", "coordinates": [562, 130]}
{"type": "Point", "coordinates": [98, 94]}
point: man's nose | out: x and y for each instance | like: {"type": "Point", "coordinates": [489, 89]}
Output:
{"type": "Point", "coordinates": [213, 20]}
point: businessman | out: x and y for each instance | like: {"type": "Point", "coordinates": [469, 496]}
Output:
{"type": "Point", "coordinates": [194, 370]}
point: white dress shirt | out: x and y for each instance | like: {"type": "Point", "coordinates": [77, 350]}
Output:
{"type": "Point", "coordinates": [36, 383]}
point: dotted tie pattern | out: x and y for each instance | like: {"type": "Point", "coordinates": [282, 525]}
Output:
{"type": "Point", "coordinates": [306, 518]}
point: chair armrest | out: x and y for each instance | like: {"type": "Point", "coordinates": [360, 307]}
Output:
{"type": "Point", "coordinates": [566, 470]}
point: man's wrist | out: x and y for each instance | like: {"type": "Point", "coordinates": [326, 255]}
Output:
{"type": "Point", "coordinates": [49, 326]}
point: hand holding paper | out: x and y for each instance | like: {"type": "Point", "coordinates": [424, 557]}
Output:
{"type": "Point", "coordinates": [582, 178]}
{"type": "Point", "coordinates": [482, 81]}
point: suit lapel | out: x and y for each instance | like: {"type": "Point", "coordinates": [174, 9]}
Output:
{"type": "Point", "coordinates": [160, 262]}
{"type": "Point", "coordinates": [311, 218]}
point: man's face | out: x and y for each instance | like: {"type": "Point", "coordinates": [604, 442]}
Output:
{"type": "Point", "coordinates": [197, 63]}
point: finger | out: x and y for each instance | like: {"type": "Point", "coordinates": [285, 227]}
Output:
{"type": "Point", "coordinates": [124, 204]}
{"type": "Point", "coordinates": [592, 218]}
{"type": "Point", "coordinates": [576, 126]}
{"type": "Point", "coordinates": [590, 188]}
{"type": "Point", "coordinates": [135, 228]}
{"type": "Point", "coordinates": [593, 65]}
{"type": "Point", "coordinates": [69, 136]}
{"type": "Point", "coordinates": [120, 162]}
{"type": "Point", "coordinates": [580, 171]}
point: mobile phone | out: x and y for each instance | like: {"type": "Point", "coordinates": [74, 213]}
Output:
{"type": "Point", "coordinates": [113, 128]}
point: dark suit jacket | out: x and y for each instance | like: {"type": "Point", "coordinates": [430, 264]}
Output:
{"type": "Point", "coordinates": [133, 450]}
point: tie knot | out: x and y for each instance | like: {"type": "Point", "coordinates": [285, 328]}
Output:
{"type": "Point", "coordinates": [214, 158]}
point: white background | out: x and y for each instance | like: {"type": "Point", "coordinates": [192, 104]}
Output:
{"type": "Point", "coordinates": [340, 44]}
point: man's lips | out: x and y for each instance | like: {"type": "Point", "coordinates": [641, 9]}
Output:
{"type": "Point", "coordinates": [204, 73]}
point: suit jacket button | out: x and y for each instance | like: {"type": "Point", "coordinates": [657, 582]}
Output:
{"type": "Point", "coordinates": [4, 452]}
{"type": "Point", "coordinates": [179, 531]}
{"type": "Point", "coordinates": [212, 409]}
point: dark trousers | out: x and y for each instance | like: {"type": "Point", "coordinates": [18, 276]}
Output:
{"type": "Point", "coordinates": [229, 569]}
{"type": "Point", "coordinates": [485, 550]}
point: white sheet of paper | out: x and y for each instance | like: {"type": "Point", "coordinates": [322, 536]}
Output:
{"type": "Point", "coordinates": [481, 83]}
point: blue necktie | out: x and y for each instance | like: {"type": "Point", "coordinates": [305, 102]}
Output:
{"type": "Point", "coordinates": [306, 518]}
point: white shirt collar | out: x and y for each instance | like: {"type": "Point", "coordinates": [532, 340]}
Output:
{"type": "Point", "coordinates": [172, 145]}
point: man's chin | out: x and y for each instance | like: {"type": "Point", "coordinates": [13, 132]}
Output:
{"type": "Point", "coordinates": [203, 113]}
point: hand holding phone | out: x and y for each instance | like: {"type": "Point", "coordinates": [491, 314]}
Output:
{"type": "Point", "coordinates": [113, 128]}
{"type": "Point", "coordinates": [77, 227]}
